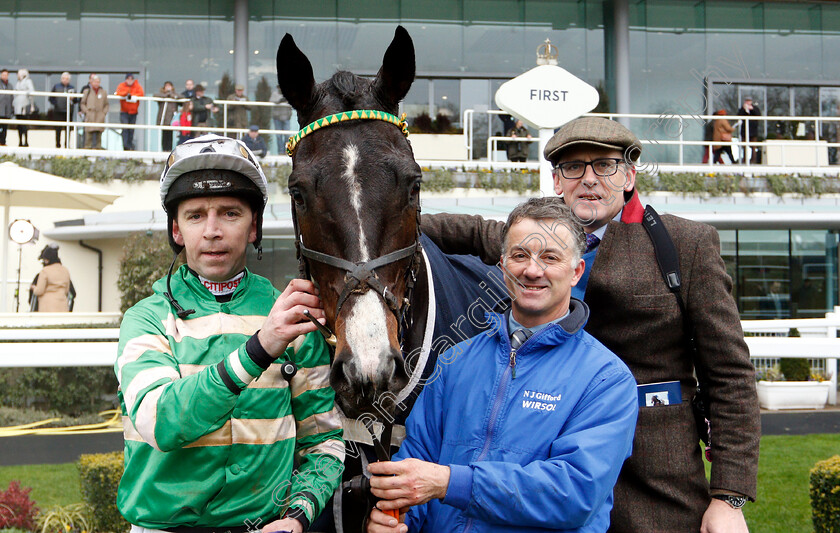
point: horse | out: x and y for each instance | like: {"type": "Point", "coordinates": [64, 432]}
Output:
{"type": "Point", "coordinates": [392, 299]}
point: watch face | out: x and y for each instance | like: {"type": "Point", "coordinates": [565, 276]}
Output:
{"type": "Point", "coordinates": [735, 501]}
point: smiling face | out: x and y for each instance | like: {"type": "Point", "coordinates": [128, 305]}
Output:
{"type": "Point", "coordinates": [594, 199]}
{"type": "Point", "coordinates": [540, 271]}
{"type": "Point", "coordinates": [215, 232]}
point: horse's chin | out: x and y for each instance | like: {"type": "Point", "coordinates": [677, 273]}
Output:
{"type": "Point", "coordinates": [356, 401]}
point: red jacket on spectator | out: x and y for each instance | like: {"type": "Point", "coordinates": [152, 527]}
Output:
{"type": "Point", "coordinates": [135, 89]}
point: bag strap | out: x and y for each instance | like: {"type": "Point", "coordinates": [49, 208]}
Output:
{"type": "Point", "coordinates": [669, 264]}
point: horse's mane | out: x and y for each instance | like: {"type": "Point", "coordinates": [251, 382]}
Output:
{"type": "Point", "coordinates": [350, 92]}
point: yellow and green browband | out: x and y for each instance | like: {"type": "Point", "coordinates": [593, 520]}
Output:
{"type": "Point", "coordinates": [359, 114]}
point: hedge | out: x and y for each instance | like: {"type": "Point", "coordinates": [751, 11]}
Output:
{"type": "Point", "coordinates": [825, 495]}
{"type": "Point", "coordinates": [100, 475]}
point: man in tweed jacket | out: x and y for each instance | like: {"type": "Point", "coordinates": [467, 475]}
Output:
{"type": "Point", "coordinates": [662, 487]}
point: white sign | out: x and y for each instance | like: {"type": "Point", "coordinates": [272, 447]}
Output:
{"type": "Point", "coordinates": [546, 97]}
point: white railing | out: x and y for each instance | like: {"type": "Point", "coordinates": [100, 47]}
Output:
{"type": "Point", "coordinates": [41, 347]}
{"type": "Point", "coordinates": [818, 342]}
{"type": "Point", "coordinates": [669, 130]}
{"type": "Point", "coordinates": [73, 126]}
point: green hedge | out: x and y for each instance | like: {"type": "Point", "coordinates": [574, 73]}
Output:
{"type": "Point", "coordinates": [70, 391]}
{"type": "Point", "coordinates": [825, 495]}
{"type": "Point", "coordinates": [100, 475]}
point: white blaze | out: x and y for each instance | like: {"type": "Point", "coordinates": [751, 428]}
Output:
{"type": "Point", "coordinates": [366, 328]}
{"type": "Point", "coordinates": [351, 156]}
{"type": "Point", "coordinates": [366, 331]}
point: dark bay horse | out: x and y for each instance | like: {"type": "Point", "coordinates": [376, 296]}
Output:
{"type": "Point", "coordinates": [392, 298]}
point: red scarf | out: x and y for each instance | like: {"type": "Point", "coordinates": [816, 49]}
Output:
{"type": "Point", "coordinates": [633, 210]}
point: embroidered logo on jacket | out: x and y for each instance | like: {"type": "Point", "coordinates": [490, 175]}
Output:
{"type": "Point", "coordinates": [539, 401]}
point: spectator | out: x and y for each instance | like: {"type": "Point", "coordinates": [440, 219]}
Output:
{"type": "Point", "coordinates": [254, 142]}
{"type": "Point", "coordinates": [129, 90]}
{"type": "Point", "coordinates": [60, 107]}
{"type": "Point", "coordinates": [189, 89]}
{"type": "Point", "coordinates": [24, 105]}
{"type": "Point", "coordinates": [84, 91]}
{"type": "Point", "coordinates": [95, 107]}
{"type": "Point", "coordinates": [237, 114]}
{"type": "Point", "coordinates": [6, 108]}
{"type": "Point", "coordinates": [749, 109]}
{"type": "Point", "coordinates": [722, 133]}
{"type": "Point", "coordinates": [166, 111]}
{"type": "Point", "coordinates": [517, 151]}
{"type": "Point", "coordinates": [53, 285]}
{"type": "Point", "coordinates": [281, 115]}
{"type": "Point", "coordinates": [202, 108]}
{"type": "Point", "coordinates": [184, 119]}
{"type": "Point", "coordinates": [558, 457]}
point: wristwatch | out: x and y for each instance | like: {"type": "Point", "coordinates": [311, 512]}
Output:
{"type": "Point", "coordinates": [736, 502]}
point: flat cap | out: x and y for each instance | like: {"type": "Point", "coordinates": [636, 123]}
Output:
{"type": "Point", "coordinates": [596, 131]}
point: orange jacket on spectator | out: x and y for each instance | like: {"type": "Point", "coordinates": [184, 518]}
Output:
{"type": "Point", "coordinates": [134, 89]}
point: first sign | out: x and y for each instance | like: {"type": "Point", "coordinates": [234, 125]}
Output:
{"type": "Point", "coordinates": [547, 97]}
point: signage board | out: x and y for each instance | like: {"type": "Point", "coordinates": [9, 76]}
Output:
{"type": "Point", "coordinates": [546, 97]}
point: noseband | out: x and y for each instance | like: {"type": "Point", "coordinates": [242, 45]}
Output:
{"type": "Point", "coordinates": [361, 276]}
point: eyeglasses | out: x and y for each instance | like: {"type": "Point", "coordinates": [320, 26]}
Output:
{"type": "Point", "coordinates": [605, 166]}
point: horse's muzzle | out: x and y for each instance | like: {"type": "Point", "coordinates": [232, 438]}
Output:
{"type": "Point", "coordinates": [367, 385]}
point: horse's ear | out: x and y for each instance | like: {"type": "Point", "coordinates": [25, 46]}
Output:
{"type": "Point", "coordinates": [397, 73]}
{"type": "Point", "coordinates": [294, 74]}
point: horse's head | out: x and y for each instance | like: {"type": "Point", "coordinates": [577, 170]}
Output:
{"type": "Point", "coordinates": [355, 192]}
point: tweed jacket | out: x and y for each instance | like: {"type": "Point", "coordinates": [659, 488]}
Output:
{"type": "Point", "coordinates": [662, 487]}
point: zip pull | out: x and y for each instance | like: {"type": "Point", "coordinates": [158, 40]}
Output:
{"type": "Point", "coordinates": [513, 362]}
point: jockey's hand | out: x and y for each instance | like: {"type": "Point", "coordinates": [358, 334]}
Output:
{"type": "Point", "coordinates": [289, 525]}
{"type": "Point", "coordinates": [286, 320]}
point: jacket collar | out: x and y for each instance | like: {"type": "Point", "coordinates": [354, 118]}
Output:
{"type": "Point", "coordinates": [574, 322]}
{"type": "Point", "coordinates": [633, 210]}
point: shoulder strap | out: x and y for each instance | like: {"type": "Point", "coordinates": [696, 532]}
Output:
{"type": "Point", "coordinates": [669, 265]}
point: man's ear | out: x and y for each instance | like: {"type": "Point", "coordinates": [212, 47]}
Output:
{"type": "Point", "coordinates": [579, 269]}
{"type": "Point", "coordinates": [558, 186]}
{"type": "Point", "coordinates": [252, 234]}
{"type": "Point", "coordinates": [176, 233]}
{"type": "Point", "coordinates": [630, 182]}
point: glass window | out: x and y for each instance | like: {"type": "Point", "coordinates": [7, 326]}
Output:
{"type": "Point", "coordinates": [791, 45]}
{"type": "Point", "coordinates": [763, 274]}
{"type": "Point", "coordinates": [813, 273]}
{"type": "Point", "coordinates": [447, 100]}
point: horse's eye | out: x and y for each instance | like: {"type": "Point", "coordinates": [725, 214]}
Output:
{"type": "Point", "coordinates": [415, 187]}
{"type": "Point", "coordinates": [296, 195]}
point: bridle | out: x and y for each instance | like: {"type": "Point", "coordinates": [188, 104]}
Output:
{"type": "Point", "coordinates": [361, 276]}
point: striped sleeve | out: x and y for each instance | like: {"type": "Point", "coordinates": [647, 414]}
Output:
{"type": "Point", "coordinates": [319, 443]}
{"type": "Point", "coordinates": [169, 411]}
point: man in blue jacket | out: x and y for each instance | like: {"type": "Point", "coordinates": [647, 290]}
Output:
{"type": "Point", "coordinates": [524, 431]}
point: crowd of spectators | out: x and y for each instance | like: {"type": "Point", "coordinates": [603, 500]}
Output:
{"type": "Point", "coordinates": [189, 108]}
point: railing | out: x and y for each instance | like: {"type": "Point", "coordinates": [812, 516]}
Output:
{"type": "Point", "coordinates": [73, 126]}
{"type": "Point", "coordinates": [669, 130]}
{"type": "Point", "coordinates": [42, 347]}
{"type": "Point", "coordinates": [818, 342]}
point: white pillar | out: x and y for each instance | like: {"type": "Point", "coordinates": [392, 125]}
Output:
{"type": "Point", "coordinates": [240, 43]}
{"type": "Point", "coordinates": [5, 236]}
{"type": "Point", "coordinates": [621, 53]}
{"type": "Point", "coordinates": [546, 180]}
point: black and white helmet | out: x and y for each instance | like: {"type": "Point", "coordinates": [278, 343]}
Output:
{"type": "Point", "coordinates": [212, 165]}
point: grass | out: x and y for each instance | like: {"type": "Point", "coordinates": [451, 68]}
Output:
{"type": "Point", "coordinates": [783, 504]}
{"type": "Point", "coordinates": [51, 484]}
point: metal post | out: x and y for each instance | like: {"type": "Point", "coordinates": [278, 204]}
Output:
{"type": "Point", "coordinates": [240, 43]}
{"type": "Point", "coordinates": [621, 21]}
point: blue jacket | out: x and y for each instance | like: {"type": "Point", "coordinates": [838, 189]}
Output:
{"type": "Point", "coordinates": [537, 452]}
